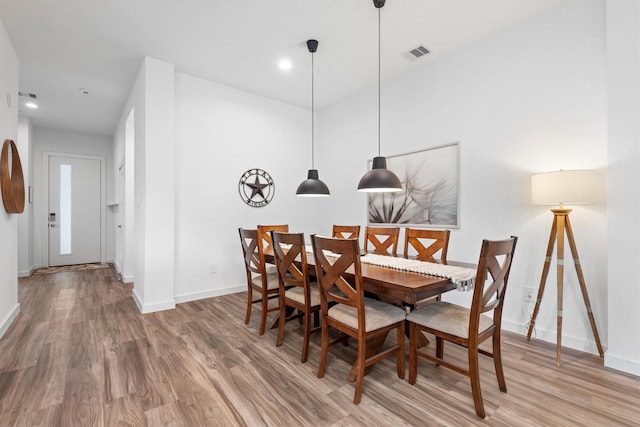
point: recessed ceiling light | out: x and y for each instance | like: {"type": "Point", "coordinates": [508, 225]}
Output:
{"type": "Point", "coordinates": [285, 64]}
{"type": "Point", "coordinates": [31, 105]}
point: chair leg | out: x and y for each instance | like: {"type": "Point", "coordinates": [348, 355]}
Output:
{"type": "Point", "coordinates": [307, 333]}
{"type": "Point", "coordinates": [439, 348]}
{"type": "Point", "coordinates": [474, 375]}
{"type": "Point", "coordinates": [497, 362]}
{"type": "Point", "coordinates": [362, 348]}
{"type": "Point", "coordinates": [263, 315]}
{"type": "Point", "coordinates": [400, 357]}
{"type": "Point", "coordinates": [413, 353]}
{"type": "Point", "coordinates": [281, 323]}
{"type": "Point", "coordinates": [249, 304]}
{"type": "Point", "coordinates": [323, 350]}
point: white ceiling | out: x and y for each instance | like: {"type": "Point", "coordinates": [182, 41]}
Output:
{"type": "Point", "coordinates": [68, 45]}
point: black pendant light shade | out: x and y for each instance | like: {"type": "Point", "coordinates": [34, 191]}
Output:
{"type": "Point", "coordinates": [379, 179]}
{"type": "Point", "coordinates": [312, 186]}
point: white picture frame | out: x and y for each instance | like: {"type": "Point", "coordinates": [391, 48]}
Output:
{"type": "Point", "coordinates": [430, 196]}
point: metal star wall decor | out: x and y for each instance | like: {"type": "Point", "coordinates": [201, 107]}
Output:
{"type": "Point", "coordinates": [256, 188]}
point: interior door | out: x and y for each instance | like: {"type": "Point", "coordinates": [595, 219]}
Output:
{"type": "Point", "coordinates": [75, 213]}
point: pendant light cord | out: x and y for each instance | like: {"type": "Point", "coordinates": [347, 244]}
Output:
{"type": "Point", "coordinates": [312, 119]}
{"type": "Point", "coordinates": [379, 81]}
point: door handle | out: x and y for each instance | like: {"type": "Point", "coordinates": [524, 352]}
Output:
{"type": "Point", "coordinates": [52, 225]}
{"type": "Point", "coordinates": [119, 226]}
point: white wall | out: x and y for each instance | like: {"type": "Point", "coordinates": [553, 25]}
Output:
{"type": "Point", "coordinates": [531, 99]}
{"type": "Point", "coordinates": [623, 69]}
{"type": "Point", "coordinates": [150, 171]}
{"type": "Point", "coordinates": [25, 221]}
{"type": "Point", "coordinates": [221, 133]}
{"type": "Point", "coordinates": [59, 141]}
{"type": "Point", "coordinates": [155, 188]}
{"type": "Point", "coordinates": [9, 307]}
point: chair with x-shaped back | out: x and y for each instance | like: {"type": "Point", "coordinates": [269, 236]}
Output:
{"type": "Point", "coordinates": [468, 327]}
{"type": "Point", "coordinates": [382, 240]}
{"type": "Point", "coordinates": [296, 290]}
{"type": "Point", "coordinates": [426, 245]}
{"type": "Point", "coordinates": [258, 278]}
{"type": "Point", "coordinates": [345, 231]}
{"type": "Point", "coordinates": [352, 314]}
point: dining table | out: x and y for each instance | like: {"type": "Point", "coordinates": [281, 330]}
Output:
{"type": "Point", "coordinates": [393, 285]}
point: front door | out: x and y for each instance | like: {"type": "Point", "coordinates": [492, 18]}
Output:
{"type": "Point", "coordinates": [75, 213]}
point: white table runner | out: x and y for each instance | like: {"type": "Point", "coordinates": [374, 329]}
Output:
{"type": "Point", "coordinates": [462, 277]}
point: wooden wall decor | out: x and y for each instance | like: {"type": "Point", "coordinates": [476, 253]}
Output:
{"type": "Point", "coordinates": [11, 182]}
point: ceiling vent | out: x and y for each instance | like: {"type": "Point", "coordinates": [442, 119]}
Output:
{"type": "Point", "coordinates": [28, 95]}
{"type": "Point", "coordinates": [416, 53]}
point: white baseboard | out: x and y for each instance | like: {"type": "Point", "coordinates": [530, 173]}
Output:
{"type": "Point", "coordinates": [7, 321]}
{"type": "Point", "coordinates": [151, 308]}
{"type": "Point", "coordinates": [127, 279]}
{"type": "Point", "coordinates": [622, 364]}
{"type": "Point", "coordinates": [26, 273]}
{"type": "Point", "coordinates": [568, 341]}
{"type": "Point", "coordinates": [209, 293]}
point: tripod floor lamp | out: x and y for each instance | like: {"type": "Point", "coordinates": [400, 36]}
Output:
{"type": "Point", "coordinates": [559, 188]}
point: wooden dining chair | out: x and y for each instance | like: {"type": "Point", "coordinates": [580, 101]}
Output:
{"type": "Point", "coordinates": [468, 327]}
{"type": "Point", "coordinates": [382, 240]}
{"type": "Point", "coordinates": [345, 231]}
{"type": "Point", "coordinates": [428, 245]}
{"type": "Point", "coordinates": [264, 231]}
{"type": "Point", "coordinates": [296, 290]}
{"type": "Point", "coordinates": [352, 314]}
{"type": "Point", "coordinates": [265, 235]}
{"type": "Point", "coordinates": [258, 279]}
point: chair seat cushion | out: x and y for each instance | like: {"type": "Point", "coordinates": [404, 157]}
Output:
{"type": "Point", "coordinates": [378, 314]}
{"type": "Point", "coordinates": [448, 318]}
{"type": "Point", "coordinates": [272, 281]}
{"type": "Point", "coordinates": [297, 294]}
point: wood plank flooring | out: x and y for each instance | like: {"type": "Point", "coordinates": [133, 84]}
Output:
{"type": "Point", "coordinates": [80, 354]}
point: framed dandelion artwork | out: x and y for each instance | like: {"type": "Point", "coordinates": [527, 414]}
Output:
{"type": "Point", "coordinates": [429, 196]}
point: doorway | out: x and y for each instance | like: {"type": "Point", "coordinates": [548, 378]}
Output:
{"type": "Point", "coordinates": [75, 209]}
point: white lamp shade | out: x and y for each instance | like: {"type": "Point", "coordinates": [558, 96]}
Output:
{"type": "Point", "coordinates": [563, 187]}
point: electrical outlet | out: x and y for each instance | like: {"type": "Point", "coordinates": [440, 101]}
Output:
{"type": "Point", "coordinates": [529, 294]}
{"type": "Point", "coordinates": [212, 268]}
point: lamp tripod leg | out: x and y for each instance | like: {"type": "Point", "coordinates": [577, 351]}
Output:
{"type": "Point", "coordinates": [543, 279]}
{"type": "Point", "coordinates": [560, 220]}
{"type": "Point", "coordinates": [583, 287]}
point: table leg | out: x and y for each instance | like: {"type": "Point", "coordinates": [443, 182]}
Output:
{"type": "Point", "coordinates": [276, 323]}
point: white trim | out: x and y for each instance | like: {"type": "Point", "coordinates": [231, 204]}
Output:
{"type": "Point", "coordinates": [550, 336]}
{"type": "Point", "coordinates": [622, 364]}
{"type": "Point", "coordinates": [137, 300]}
{"type": "Point", "coordinates": [26, 273]}
{"type": "Point", "coordinates": [151, 308]}
{"type": "Point", "coordinates": [9, 319]}
{"type": "Point", "coordinates": [127, 279]}
{"type": "Point", "coordinates": [44, 226]}
{"type": "Point", "coordinates": [209, 293]}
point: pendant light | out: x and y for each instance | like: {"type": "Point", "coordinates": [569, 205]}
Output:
{"type": "Point", "coordinates": [312, 186]}
{"type": "Point", "coordinates": [379, 179]}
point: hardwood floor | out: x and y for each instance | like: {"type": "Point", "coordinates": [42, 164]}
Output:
{"type": "Point", "coordinates": [81, 354]}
